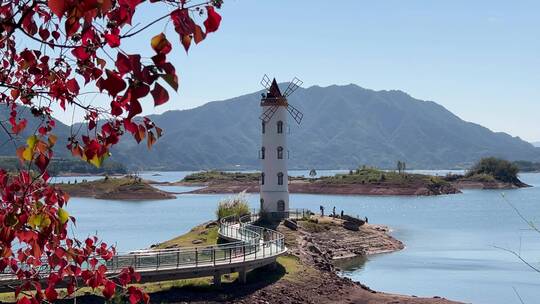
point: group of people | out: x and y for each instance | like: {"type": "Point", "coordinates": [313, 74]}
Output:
{"type": "Point", "coordinates": [321, 208]}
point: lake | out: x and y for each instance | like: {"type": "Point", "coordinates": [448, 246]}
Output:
{"type": "Point", "coordinates": [450, 240]}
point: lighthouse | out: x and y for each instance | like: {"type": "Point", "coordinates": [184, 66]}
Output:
{"type": "Point", "coordinates": [274, 201]}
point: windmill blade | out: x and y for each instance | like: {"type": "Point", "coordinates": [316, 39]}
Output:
{"type": "Point", "coordinates": [268, 113]}
{"type": "Point", "coordinates": [295, 113]}
{"type": "Point", "coordinates": [266, 82]}
{"type": "Point", "coordinates": [293, 85]}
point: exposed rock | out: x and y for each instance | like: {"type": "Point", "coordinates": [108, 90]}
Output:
{"type": "Point", "coordinates": [290, 224]}
{"type": "Point", "coordinates": [351, 226]}
{"type": "Point", "coordinates": [353, 220]}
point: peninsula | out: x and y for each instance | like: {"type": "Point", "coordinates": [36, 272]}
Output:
{"type": "Point", "coordinates": [314, 245]}
{"type": "Point", "coordinates": [121, 188]}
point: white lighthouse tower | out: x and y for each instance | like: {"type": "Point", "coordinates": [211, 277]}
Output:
{"type": "Point", "coordinates": [273, 152]}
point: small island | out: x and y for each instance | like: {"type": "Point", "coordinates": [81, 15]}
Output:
{"type": "Point", "coordinates": [362, 181]}
{"type": "Point", "coordinates": [122, 188]}
{"type": "Point", "coordinates": [489, 173]}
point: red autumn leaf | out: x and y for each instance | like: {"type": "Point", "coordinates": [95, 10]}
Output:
{"type": "Point", "coordinates": [80, 53]}
{"type": "Point", "coordinates": [15, 93]}
{"type": "Point", "coordinates": [113, 40]}
{"type": "Point", "coordinates": [18, 127]}
{"type": "Point", "coordinates": [186, 42]}
{"type": "Point", "coordinates": [160, 95]}
{"type": "Point", "coordinates": [73, 86]}
{"type": "Point", "coordinates": [56, 35]}
{"type": "Point", "coordinates": [44, 33]}
{"type": "Point", "coordinates": [212, 21]}
{"type": "Point", "coordinates": [51, 294]}
{"type": "Point", "coordinates": [109, 289]}
{"type": "Point", "coordinates": [24, 300]}
{"type": "Point", "coordinates": [140, 91]}
{"type": "Point", "coordinates": [41, 162]}
{"type": "Point", "coordinates": [58, 7]}
{"type": "Point", "coordinates": [198, 34]}
{"type": "Point", "coordinates": [114, 83]}
{"type": "Point", "coordinates": [134, 108]}
{"type": "Point", "coordinates": [72, 25]}
{"type": "Point", "coordinates": [160, 44]}
{"type": "Point", "coordinates": [172, 80]}
{"type": "Point", "coordinates": [116, 109]}
{"type": "Point", "coordinates": [183, 24]}
{"type": "Point", "coordinates": [123, 63]}
{"type": "Point", "coordinates": [130, 126]}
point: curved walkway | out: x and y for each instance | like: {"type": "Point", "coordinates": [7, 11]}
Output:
{"type": "Point", "coordinates": [250, 247]}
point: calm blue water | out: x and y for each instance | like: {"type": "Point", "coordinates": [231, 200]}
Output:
{"type": "Point", "coordinates": [450, 239]}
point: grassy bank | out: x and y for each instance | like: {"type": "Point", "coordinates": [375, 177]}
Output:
{"type": "Point", "coordinates": [202, 235]}
{"type": "Point", "coordinates": [376, 176]}
{"type": "Point", "coordinates": [220, 176]}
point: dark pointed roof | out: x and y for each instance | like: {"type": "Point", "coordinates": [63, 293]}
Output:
{"type": "Point", "coordinates": [274, 91]}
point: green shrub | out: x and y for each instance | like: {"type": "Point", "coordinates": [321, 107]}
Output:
{"type": "Point", "coordinates": [482, 177]}
{"type": "Point", "coordinates": [233, 205]}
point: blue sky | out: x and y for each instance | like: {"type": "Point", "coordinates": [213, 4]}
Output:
{"type": "Point", "coordinates": [479, 59]}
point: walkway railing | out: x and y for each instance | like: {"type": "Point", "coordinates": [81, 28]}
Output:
{"type": "Point", "coordinates": [249, 243]}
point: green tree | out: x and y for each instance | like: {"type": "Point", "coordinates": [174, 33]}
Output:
{"type": "Point", "coordinates": [500, 169]}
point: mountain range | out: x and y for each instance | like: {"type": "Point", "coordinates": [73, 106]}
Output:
{"type": "Point", "coordinates": [343, 127]}
{"type": "Point", "coordinates": [536, 143]}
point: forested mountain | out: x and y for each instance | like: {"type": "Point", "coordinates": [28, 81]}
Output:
{"type": "Point", "coordinates": [343, 127]}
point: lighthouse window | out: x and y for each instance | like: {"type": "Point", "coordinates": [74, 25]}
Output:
{"type": "Point", "coordinates": [262, 178]}
{"type": "Point", "coordinates": [280, 152]}
{"type": "Point", "coordinates": [263, 127]}
{"type": "Point", "coordinates": [280, 178]}
{"type": "Point", "coordinates": [281, 206]}
{"type": "Point", "coordinates": [280, 127]}
{"type": "Point", "coordinates": [263, 151]}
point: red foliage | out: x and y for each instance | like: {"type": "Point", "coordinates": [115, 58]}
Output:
{"type": "Point", "coordinates": [70, 42]}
